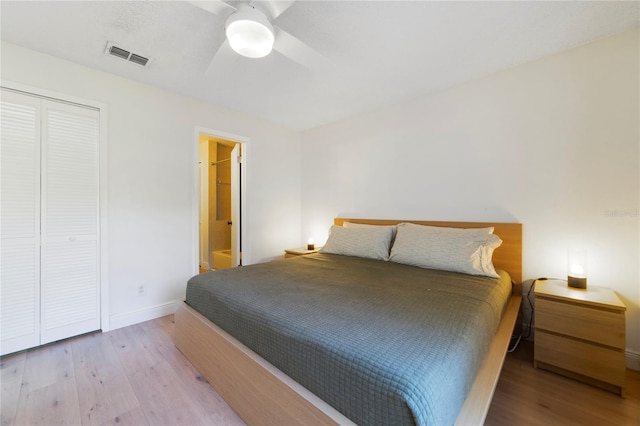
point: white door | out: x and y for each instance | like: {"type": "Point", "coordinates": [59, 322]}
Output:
{"type": "Point", "coordinates": [19, 222]}
{"type": "Point", "coordinates": [70, 291]}
{"type": "Point", "coordinates": [49, 198]}
{"type": "Point", "coordinates": [235, 205]}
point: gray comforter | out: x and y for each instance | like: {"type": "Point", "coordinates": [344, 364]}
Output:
{"type": "Point", "coordinates": [383, 343]}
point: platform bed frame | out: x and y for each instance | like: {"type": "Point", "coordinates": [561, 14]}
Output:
{"type": "Point", "coordinates": [262, 394]}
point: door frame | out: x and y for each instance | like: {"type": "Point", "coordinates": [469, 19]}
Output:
{"type": "Point", "coordinates": [204, 259]}
{"type": "Point", "coordinates": [103, 183]}
{"type": "Point", "coordinates": [195, 196]}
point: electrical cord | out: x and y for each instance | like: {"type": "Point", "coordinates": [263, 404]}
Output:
{"type": "Point", "coordinates": [513, 346]}
{"type": "Point", "coordinates": [533, 284]}
{"type": "Point", "coordinates": [515, 340]}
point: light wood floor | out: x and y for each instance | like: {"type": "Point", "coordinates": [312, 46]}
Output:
{"type": "Point", "coordinates": [527, 396]}
{"type": "Point", "coordinates": [130, 376]}
{"type": "Point", "coordinates": [136, 376]}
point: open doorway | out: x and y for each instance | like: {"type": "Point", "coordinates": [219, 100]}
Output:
{"type": "Point", "coordinates": [220, 205]}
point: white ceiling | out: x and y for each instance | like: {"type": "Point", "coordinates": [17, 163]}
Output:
{"type": "Point", "coordinates": [367, 53]}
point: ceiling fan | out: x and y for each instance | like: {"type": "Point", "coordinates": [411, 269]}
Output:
{"type": "Point", "coordinates": [250, 32]}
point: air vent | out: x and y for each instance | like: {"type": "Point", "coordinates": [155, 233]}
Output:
{"type": "Point", "coordinates": [140, 60]}
{"type": "Point", "coordinates": [121, 53]}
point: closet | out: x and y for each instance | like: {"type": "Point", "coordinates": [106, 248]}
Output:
{"type": "Point", "coordinates": [49, 220]}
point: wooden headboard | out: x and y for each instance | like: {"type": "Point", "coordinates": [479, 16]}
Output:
{"type": "Point", "coordinates": [507, 257]}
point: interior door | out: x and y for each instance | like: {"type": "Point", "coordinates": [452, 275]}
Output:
{"type": "Point", "coordinates": [50, 230]}
{"type": "Point", "coordinates": [235, 205]}
{"type": "Point", "coordinates": [70, 251]}
{"type": "Point", "coordinates": [19, 222]}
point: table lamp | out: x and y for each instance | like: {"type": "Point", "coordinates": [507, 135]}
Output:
{"type": "Point", "coordinates": [577, 269]}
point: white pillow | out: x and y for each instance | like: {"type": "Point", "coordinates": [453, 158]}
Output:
{"type": "Point", "coordinates": [393, 228]}
{"type": "Point", "coordinates": [371, 242]}
{"type": "Point", "coordinates": [450, 249]}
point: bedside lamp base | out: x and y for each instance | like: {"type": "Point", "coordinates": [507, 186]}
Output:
{"type": "Point", "coordinates": [576, 282]}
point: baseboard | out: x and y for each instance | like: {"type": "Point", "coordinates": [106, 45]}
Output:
{"type": "Point", "coordinates": [632, 359]}
{"type": "Point", "coordinates": [146, 314]}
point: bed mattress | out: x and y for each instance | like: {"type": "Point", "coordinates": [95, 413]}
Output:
{"type": "Point", "coordinates": [383, 343]}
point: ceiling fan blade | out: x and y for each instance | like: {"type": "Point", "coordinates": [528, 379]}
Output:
{"type": "Point", "coordinates": [274, 8]}
{"type": "Point", "coordinates": [223, 60]}
{"type": "Point", "coordinates": [217, 7]}
{"type": "Point", "coordinates": [296, 50]}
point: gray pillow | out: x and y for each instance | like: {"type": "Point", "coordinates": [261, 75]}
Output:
{"type": "Point", "coordinates": [450, 249]}
{"type": "Point", "coordinates": [370, 242]}
{"type": "Point", "coordinates": [393, 228]}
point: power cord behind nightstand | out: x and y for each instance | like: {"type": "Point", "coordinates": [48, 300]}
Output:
{"type": "Point", "coordinates": [515, 340]}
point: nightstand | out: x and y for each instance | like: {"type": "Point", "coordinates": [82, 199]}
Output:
{"type": "Point", "coordinates": [580, 333]}
{"type": "Point", "coordinates": [299, 252]}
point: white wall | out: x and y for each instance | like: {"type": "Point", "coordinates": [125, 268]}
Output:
{"type": "Point", "coordinates": [552, 144]}
{"type": "Point", "coordinates": [152, 179]}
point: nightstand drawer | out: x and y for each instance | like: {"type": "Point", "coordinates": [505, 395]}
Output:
{"type": "Point", "coordinates": [590, 360]}
{"type": "Point", "coordinates": [593, 324]}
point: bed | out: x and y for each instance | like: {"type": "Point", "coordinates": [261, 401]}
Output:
{"type": "Point", "coordinates": [360, 355]}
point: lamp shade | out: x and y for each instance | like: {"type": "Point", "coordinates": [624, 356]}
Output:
{"type": "Point", "coordinates": [249, 32]}
{"type": "Point", "coordinates": [577, 268]}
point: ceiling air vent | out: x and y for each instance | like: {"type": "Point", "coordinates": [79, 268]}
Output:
{"type": "Point", "coordinates": [140, 60]}
{"type": "Point", "coordinates": [121, 53]}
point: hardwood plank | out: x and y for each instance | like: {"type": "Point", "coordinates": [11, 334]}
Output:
{"type": "Point", "coordinates": [530, 396]}
{"type": "Point", "coordinates": [47, 365]}
{"type": "Point", "coordinates": [169, 389]}
{"type": "Point", "coordinates": [133, 417]}
{"type": "Point", "coordinates": [196, 387]}
{"type": "Point", "coordinates": [54, 404]}
{"type": "Point", "coordinates": [134, 349]}
{"type": "Point", "coordinates": [105, 390]}
{"type": "Point", "coordinates": [48, 392]}
{"type": "Point", "coordinates": [11, 373]}
{"type": "Point", "coordinates": [164, 399]}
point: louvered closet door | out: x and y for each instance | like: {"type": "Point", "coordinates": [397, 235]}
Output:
{"type": "Point", "coordinates": [70, 302]}
{"type": "Point", "coordinates": [19, 222]}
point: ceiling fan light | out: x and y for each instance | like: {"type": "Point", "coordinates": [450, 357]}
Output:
{"type": "Point", "coordinates": [249, 33]}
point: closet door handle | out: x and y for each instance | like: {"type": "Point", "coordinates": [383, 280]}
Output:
{"type": "Point", "coordinates": [229, 223]}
